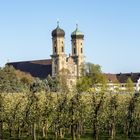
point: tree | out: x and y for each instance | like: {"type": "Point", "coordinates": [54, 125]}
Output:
{"type": "Point", "coordinates": [97, 101]}
{"type": "Point", "coordinates": [1, 116]}
{"type": "Point", "coordinates": [95, 73]}
{"type": "Point", "coordinates": [93, 78]}
{"type": "Point", "coordinates": [9, 82]}
{"type": "Point", "coordinates": [47, 113]}
{"type": "Point", "coordinates": [112, 114]}
{"type": "Point", "coordinates": [25, 78]}
{"type": "Point", "coordinates": [83, 84]}
{"type": "Point", "coordinates": [97, 92]}
{"type": "Point", "coordinates": [131, 114]}
{"type": "Point", "coordinates": [130, 86]}
{"type": "Point", "coordinates": [53, 83]}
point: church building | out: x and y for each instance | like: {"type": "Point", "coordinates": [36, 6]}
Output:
{"type": "Point", "coordinates": [59, 63]}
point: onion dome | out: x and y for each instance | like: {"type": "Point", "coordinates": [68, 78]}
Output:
{"type": "Point", "coordinates": [77, 33]}
{"type": "Point", "coordinates": [58, 32]}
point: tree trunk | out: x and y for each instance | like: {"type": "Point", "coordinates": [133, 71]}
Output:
{"type": "Point", "coordinates": [46, 129]}
{"type": "Point", "coordinates": [34, 131]}
{"type": "Point", "coordinates": [112, 127]}
{"type": "Point", "coordinates": [43, 132]}
{"type": "Point", "coordinates": [73, 132]}
{"type": "Point", "coordinates": [95, 129]}
{"type": "Point", "coordinates": [130, 129]}
{"type": "Point", "coordinates": [10, 129]}
{"type": "Point", "coordinates": [130, 124]}
{"type": "Point", "coordinates": [56, 135]}
{"type": "Point", "coordinates": [78, 131]}
{"type": "Point", "coordinates": [1, 130]}
{"type": "Point", "coordinates": [18, 133]}
{"type": "Point", "coordinates": [113, 131]}
{"type": "Point", "coordinates": [61, 135]}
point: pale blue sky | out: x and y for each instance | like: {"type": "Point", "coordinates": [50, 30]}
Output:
{"type": "Point", "coordinates": [111, 28]}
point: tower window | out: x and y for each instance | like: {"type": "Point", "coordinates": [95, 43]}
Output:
{"type": "Point", "coordinates": [62, 49]}
{"type": "Point", "coordinates": [81, 44]}
{"type": "Point", "coordinates": [55, 62]}
{"type": "Point", "coordinates": [81, 50]}
{"type": "Point", "coordinates": [74, 51]}
{"type": "Point", "coordinates": [55, 69]}
{"type": "Point", "coordinates": [55, 49]}
{"type": "Point", "coordinates": [74, 43]}
{"type": "Point", "coordinates": [62, 42]}
{"type": "Point", "coordinates": [55, 42]}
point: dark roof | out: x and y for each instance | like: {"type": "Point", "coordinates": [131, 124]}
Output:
{"type": "Point", "coordinates": [58, 32]}
{"type": "Point", "coordinates": [123, 77]}
{"type": "Point", "coordinates": [37, 68]}
{"type": "Point", "coordinates": [77, 34]}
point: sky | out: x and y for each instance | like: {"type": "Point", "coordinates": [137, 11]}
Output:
{"type": "Point", "coordinates": [111, 29]}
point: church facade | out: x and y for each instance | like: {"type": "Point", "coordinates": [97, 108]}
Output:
{"type": "Point", "coordinates": [71, 65]}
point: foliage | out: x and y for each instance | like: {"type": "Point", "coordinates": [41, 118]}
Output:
{"type": "Point", "coordinates": [93, 78]}
{"type": "Point", "coordinates": [83, 84]}
{"type": "Point", "coordinates": [47, 109]}
{"type": "Point", "coordinates": [58, 113]}
{"type": "Point", "coordinates": [129, 86]}
{"type": "Point", "coordinates": [53, 83]}
{"type": "Point", "coordinates": [9, 82]}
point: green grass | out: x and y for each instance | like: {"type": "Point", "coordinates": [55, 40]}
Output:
{"type": "Point", "coordinates": [87, 136]}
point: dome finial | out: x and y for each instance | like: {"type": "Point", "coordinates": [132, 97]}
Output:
{"type": "Point", "coordinates": [76, 25]}
{"type": "Point", "coordinates": [57, 22]}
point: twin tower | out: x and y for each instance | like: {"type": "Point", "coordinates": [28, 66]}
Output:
{"type": "Point", "coordinates": [70, 66]}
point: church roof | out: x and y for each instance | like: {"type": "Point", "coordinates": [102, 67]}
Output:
{"type": "Point", "coordinates": [37, 68]}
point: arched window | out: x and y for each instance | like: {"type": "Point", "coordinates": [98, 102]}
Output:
{"type": "Point", "coordinates": [62, 49]}
{"type": "Point", "coordinates": [81, 50]}
{"type": "Point", "coordinates": [55, 70]}
{"type": "Point", "coordinates": [55, 49]}
{"type": "Point", "coordinates": [74, 50]}
{"type": "Point", "coordinates": [55, 43]}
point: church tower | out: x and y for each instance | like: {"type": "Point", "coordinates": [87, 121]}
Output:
{"type": "Point", "coordinates": [58, 50]}
{"type": "Point", "coordinates": [77, 38]}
